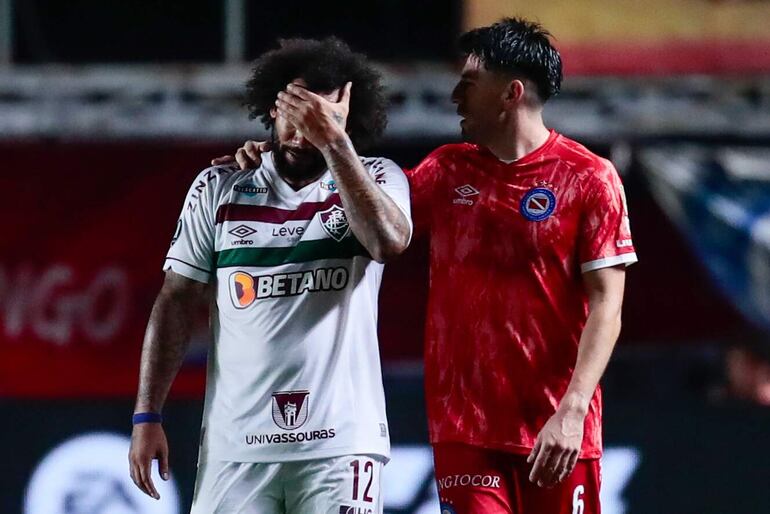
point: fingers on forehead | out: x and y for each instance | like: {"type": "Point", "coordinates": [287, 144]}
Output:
{"type": "Point", "coordinates": [304, 92]}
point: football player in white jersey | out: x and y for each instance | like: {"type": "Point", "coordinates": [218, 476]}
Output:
{"type": "Point", "coordinates": [292, 251]}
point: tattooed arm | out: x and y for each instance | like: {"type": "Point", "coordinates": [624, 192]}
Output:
{"type": "Point", "coordinates": [374, 217]}
{"type": "Point", "coordinates": [165, 343]}
{"type": "Point", "coordinates": [167, 338]}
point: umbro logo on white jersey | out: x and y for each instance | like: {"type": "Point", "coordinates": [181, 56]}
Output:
{"type": "Point", "coordinates": [242, 232]}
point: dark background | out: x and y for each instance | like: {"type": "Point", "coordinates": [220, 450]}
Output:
{"type": "Point", "coordinates": [85, 198]}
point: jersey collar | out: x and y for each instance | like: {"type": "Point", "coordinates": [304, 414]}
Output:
{"type": "Point", "coordinates": [533, 156]}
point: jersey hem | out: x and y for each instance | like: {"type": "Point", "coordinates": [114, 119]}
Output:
{"type": "Point", "coordinates": [516, 449]}
{"type": "Point", "coordinates": [187, 270]}
{"type": "Point", "coordinates": [324, 453]}
{"type": "Point", "coordinates": [607, 262]}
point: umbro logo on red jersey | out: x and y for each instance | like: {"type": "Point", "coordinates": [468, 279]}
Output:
{"type": "Point", "coordinates": [467, 190]}
{"type": "Point", "coordinates": [464, 192]}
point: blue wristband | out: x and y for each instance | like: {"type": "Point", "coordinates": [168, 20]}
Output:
{"type": "Point", "coordinates": [147, 417]}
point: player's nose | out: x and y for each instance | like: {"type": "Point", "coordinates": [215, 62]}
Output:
{"type": "Point", "coordinates": [299, 141]}
{"type": "Point", "coordinates": [455, 96]}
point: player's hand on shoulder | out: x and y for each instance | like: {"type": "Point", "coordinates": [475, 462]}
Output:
{"type": "Point", "coordinates": [148, 442]}
{"type": "Point", "coordinates": [248, 156]}
{"type": "Point", "coordinates": [557, 448]}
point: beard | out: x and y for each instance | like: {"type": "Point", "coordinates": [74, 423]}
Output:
{"type": "Point", "coordinates": [297, 164]}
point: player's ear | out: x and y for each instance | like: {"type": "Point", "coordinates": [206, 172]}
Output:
{"type": "Point", "coordinates": [514, 92]}
{"type": "Point", "coordinates": [273, 112]}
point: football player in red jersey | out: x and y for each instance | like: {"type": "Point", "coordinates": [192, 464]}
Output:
{"type": "Point", "coordinates": [529, 239]}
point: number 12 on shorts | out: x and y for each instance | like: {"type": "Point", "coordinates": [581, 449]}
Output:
{"type": "Point", "coordinates": [368, 469]}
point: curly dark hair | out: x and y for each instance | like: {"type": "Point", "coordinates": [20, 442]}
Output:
{"type": "Point", "coordinates": [518, 47]}
{"type": "Point", "coordinates": [325, 65]}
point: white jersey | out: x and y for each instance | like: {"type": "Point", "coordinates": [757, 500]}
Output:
{"type": "Point", "coordinates": [294, 371]}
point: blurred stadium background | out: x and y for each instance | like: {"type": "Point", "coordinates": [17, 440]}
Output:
{"type": "Point", "coordinates": [108, 110]}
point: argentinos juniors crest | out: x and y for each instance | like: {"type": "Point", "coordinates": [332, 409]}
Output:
{"type": "Point", "coordinates": [334, 222]}
{"type": "Point", "coordinates": [538, 204]}
{"type": "Point", "coordinates": [290, 408]}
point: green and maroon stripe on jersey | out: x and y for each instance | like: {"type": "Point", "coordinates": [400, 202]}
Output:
{"type": "Point", "coordinates": [304, 251]}
{"type": "Point", "coordinates": [304, 212]}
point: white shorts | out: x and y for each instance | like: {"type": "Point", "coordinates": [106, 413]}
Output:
{"type": "Point", "coordinates": [337, 485]}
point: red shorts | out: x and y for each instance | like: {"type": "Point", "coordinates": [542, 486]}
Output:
{"type": "Point", "coordinates": [475, 480]}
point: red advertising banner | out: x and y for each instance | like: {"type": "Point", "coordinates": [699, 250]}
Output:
{"type": "Point", "coordinates": [85, 228]}
{"type": "Point", "coordinates": [84, 233]}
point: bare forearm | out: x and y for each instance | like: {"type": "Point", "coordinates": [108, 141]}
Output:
{"type": "Point", "coordinates": [374, 217]}
{"type": "Point", "coordinates": [165, 343]}
{"type": "Point", "coordinates": [596, 344]}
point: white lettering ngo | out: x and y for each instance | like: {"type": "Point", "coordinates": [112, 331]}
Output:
{"type": "Point", "coordinates": [58, 305]}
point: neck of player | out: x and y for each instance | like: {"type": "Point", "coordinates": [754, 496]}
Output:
{"type": "Point", "coordinates": [522, 132]}
{"type": "Point", "coordinates": [299, 176]}
{"type": "Point", "coordinates": [298, 183]}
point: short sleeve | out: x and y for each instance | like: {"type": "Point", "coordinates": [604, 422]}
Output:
{"type": "Point", "coordinates": [192, 246]}
{"type": "Point", "coordinates": [422, 182]}
{"type": "Point", "coordinates": [605, 233]}
{"type": "Point", "coordinates": [391, 179]}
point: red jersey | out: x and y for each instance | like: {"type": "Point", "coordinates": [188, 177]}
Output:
{"type": "Point", "coordinates": [508, 245]}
